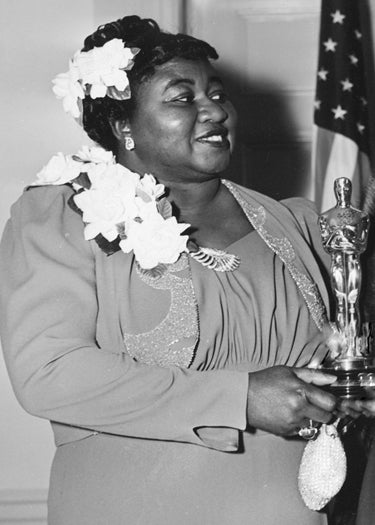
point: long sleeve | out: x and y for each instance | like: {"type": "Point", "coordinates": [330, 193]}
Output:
{"type": "Point", "coordinates": [49, 308]}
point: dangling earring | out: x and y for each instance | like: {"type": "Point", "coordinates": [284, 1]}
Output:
{"type": "Point", "coordinates": [129, 143]}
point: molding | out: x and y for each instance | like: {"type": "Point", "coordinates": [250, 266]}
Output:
{"type": "Point", "coordinates": [19, 507]}
{"type": "Point", "coordinates": [282, 10]}
{"type": "Point", "coordinates": [171, 15]}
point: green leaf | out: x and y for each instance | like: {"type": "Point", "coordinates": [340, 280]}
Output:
{"type": "Point", "coordinates": [165, 208]}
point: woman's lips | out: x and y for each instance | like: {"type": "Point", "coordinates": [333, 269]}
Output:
{"type": "Point", "coordinates": [215, 139]}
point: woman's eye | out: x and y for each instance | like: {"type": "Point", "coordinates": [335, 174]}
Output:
{"type": "Point", "coordinates": [219, 96]}
{"type": "Point", "coordinates": [184, 98]}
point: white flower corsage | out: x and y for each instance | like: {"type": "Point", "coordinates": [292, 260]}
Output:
{"type": "Point", "coordinates": [119, 206]}
{"type": "Point", "coordinates": [59, 170]}
{"type": "Point", "coordinates": [96, 73]}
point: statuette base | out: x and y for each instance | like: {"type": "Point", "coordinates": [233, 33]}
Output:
{"type": "Point", "coordinates": [354, 376]}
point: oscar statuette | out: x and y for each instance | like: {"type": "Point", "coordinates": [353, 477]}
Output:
{"type": "Point", "coordinates": [344, 232]}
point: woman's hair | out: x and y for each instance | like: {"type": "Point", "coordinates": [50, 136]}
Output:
{"type": "Point", "coordinates": [156, 48]}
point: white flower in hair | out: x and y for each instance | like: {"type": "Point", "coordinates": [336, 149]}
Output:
{"type": "Point", "coordinates": [67, 88]}
{"type": "Point", "coordinates": [105, 66]}
{"type": "Point", "coordinates": [59, 170]}
{"type": "Point", "coordinates": [97, 73]}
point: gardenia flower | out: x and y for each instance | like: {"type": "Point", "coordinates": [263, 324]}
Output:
{"type": "Point", "coordinates": [59, 170]}
{"type": "Point", "coordinates": [95, 160]}
{"type": "Point", "coordinates": [146, 210]}
{"type": "Point", "coordinates": [102, 67]}
{"type": "Point", "coordinates": [148, 188]}
{"type": "Point", "coordinates": [115, 179]}
{"type": "Point", "coordinates": [118, 204]}
{"type": "Point", "coordinates": [101, 213]}
{"type": "Point", "coordinates": [155, 241]}
{"type": "Point", "coordinates": [67, 88]}
{"type": "Point", "coordinates": [109, 202]}
{"type": "Point", "coordinates": [97, 73]}
{"type": "Point", "coordinates": [96, 154]}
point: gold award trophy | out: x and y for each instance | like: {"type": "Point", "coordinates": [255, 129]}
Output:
{"type": "Point", "coordinates": [344, 232]}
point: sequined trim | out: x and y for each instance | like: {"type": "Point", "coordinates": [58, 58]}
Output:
{"type": "Point", "coordinates": [283, 248]}
{"type": "Point", "coordinates": [173, 341]}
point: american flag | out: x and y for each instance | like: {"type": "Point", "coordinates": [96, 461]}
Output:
{"type": "Point", "coordinates": [341, 114]}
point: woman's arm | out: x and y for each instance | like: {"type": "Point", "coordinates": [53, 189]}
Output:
{"type": "Point", "coordinates": [48, 315]}
{"type": "Point", "coordinates": [48, 328]}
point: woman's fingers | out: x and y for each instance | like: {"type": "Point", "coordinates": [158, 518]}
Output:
{"type": "Point", "coordinates": [316, 377]}
{"type": "Point", "coordinates": [322, 404]}
{"type": "Point", "coordinates": [357, 407]}
{"type": "Point", "coordinates": [365, 406]}
{"type": "Point", "coordinates": [319, 398]}
{"type": "Point", "coordinates": [281, 398]}
{"type": "Point", "coordinates": [318, 414]}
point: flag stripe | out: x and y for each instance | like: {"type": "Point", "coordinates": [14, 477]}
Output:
{"type": "Point", "coordinates": [341, 105]}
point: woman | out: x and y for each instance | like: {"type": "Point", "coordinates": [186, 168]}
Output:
{"type": "Point", "coordinates": [157, 347]}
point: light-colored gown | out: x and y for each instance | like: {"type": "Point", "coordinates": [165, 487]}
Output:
{"type": "Point", "coordinates": [129, 369]}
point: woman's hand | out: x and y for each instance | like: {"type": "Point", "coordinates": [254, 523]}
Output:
{"type": "Point", "coordinates": [357, 407]}
{"type": "Point", "coordinates": [282, 399]}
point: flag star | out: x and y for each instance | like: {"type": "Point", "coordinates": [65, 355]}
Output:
{"type": "Point", "coordinates": [360, 127]}
{"type": "Point", "coordinates": [358, 34]}
{"type": "Point", "coordinates": [317, 104]}
{"type": "Point", "coordinates": [353, 59]}
{"type": "Point", "coordinates": [322, 74]}
{"type": "Point", "coordinates": [337, 17]}
{"type": "Point", "coordinates": [346, 85]}
{"type": "Point", "coordinates": [339, 112]}
{"type": "Point", "coordinates": [330, 45]}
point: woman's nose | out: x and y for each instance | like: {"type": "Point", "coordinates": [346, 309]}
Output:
{"type": "Point", "coordinates": [211, 111]}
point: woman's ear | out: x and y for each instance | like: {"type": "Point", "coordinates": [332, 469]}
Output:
{"type": "Point", "coordinates": [122, 131]}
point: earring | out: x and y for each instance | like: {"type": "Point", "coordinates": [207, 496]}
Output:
{"type": "Point", "coordinates": [129, 143]}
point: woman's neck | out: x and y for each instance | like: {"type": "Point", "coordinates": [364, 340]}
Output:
{"type": "Point", "coordinates": [189, 194]}
{"type": "Point", "coordinates": [216, 218]}
{"type": "Point", "coordinates": [192, 198]}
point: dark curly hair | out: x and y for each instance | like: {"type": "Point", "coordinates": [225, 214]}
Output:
{"type": "Point", "coordinates": [156, 48]}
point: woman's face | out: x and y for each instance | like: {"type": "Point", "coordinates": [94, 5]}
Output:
{"type": "Point", "coordinates": [183, 125]}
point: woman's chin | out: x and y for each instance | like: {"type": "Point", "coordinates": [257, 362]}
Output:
{"type": "Point", "coordinates": [215, 166]}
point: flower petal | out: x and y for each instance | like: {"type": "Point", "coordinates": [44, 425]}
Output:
{"type": "Point", "coordinates": [98, 91]}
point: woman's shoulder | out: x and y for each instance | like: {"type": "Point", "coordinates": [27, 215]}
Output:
{"type": "Point", "coordinates": [295, 214]}
{"type": "Point", "coordinates": [300, 207]}
{"type": "Point", "coordinates": [44, 215]}
{"type": "Point", "coordinates": [37, 200]}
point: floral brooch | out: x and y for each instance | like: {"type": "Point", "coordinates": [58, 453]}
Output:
{"type": "Point", "coordinates": [124, 211]}
{"type": "Point", "coordinates": [119, 206]}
